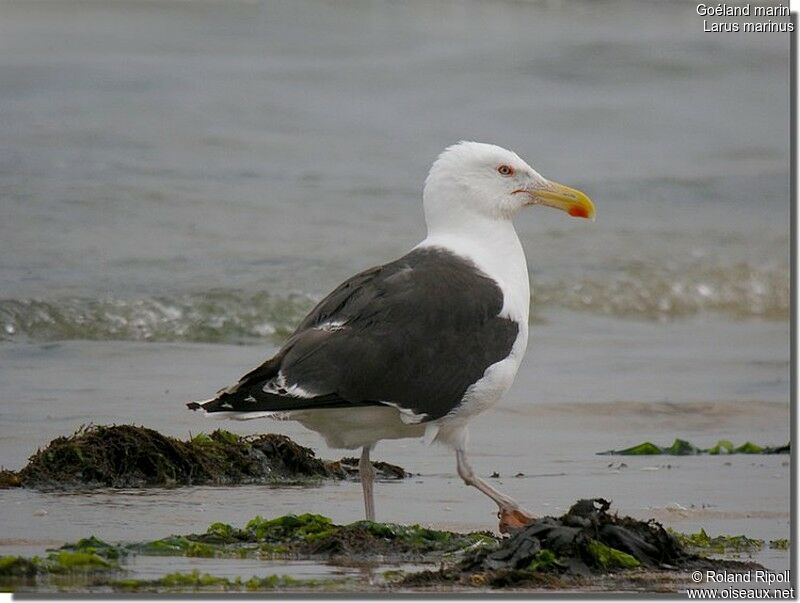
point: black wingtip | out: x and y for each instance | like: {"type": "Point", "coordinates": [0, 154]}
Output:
{"type": "Point", "coordinates": [193, 406]}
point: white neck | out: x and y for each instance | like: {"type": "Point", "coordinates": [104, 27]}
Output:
{"type": "Point", "coordinates": [492, 244]}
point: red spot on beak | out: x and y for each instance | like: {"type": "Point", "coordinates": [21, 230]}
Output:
{"type": "Point", "coordinates": [577, 211]}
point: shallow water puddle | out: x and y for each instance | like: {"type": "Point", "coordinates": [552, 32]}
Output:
{"type": "Point", "coordinates": [145, 567]}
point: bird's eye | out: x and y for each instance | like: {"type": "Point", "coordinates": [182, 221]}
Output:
{"type": "Point", "coordinates": [505, 170]}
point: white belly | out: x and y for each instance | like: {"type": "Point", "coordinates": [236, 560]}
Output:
{"type": "Point", "coordinates": [359, 426]}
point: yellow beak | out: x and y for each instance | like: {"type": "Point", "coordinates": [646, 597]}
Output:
{"type": "Point", "coordinates": [570, 200]}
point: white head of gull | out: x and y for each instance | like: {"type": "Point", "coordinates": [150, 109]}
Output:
{"type": "Point", "coordinates": [420, 345]}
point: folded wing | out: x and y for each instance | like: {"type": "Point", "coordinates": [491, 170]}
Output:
{"type": "Point", "coordinates": [414, 334]}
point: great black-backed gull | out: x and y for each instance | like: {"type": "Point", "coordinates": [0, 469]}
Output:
{"type": "Point", "coordinates": [418, 346]}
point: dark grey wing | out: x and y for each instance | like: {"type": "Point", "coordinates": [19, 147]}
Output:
{"type": "Point", "coordinates": [415, 333]}
{"type": "Point", "coordinates": [261, 389]}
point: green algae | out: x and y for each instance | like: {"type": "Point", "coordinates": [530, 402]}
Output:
{"type": "Point", "coordinates": [701, 542]}
{"type": "Point", "coordinates": [645, 448]}
{"type": "Point", "coordinates": [780, 544]}
{"type": "Point", "coordinates": [393, 575]}
{"type": "Point", "coordinates": [749, 448]}
{"type": "Point", "coordinates": [95, 546]}
{"type": "Point", "coordinates": [681, 447]}
{"type": "Point", "coordinates": [306, 536]}
{"type": "Point", "coordinates": [129, 456]}
{"type": "Point", "coordinates": [289, 527]}
{"type": "Point", "coordinates": [607, 558]}
{"type": "Point", "coordinates": [721, 447]}
{"type": "Point", "coordinates": [201, 439]}
{"type": "Point", "coordinates": [269, 550]}
{"type": "Point", "coordinates": [61, 562]}
{"type": "Point", "coordinates": [310, 534]}
{"type": "Point", "coordinates": [221, 533]}
{"type": "Point", "coordinates": [544, 561]}
{"type": "Point", "coordinates": [200, 549]}
{"type": "Point", "coordinates": [70, 561]}
{"type": "Point", "coordinates": [171, 545]}
{"type": "Point", "coordinates": [18, 567]}
{"type": "Point", "coordinates": [174, 546]}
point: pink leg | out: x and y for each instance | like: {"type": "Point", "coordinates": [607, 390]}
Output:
{"type": "Point", "coordinates": [511, 514]}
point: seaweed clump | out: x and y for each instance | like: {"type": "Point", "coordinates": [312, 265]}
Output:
{"type": "Point", "coordinates": [19, 571]}
{"type": "Point", "coordinates": [392, 540]}
{"type": "Point", "coordinates": [701, 542]}
{"type": "Point", "coordinates": [316, 536]}
{"type": "Point", "coordinates": [305, 536]}
{"type": "Point", "coordinates": [685, 448]}
{"type": "Point", "coordinates": [586, 541]}
{"type": "Point", "coordinates": [9, 479]}
{"type": "Point", "coordinates": [128, 456]}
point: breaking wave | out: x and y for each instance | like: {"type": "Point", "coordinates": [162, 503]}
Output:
{"type": "Point", "coordinates": [738, 292]}
{"type": "Point", "coordinates": [217, 317]}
